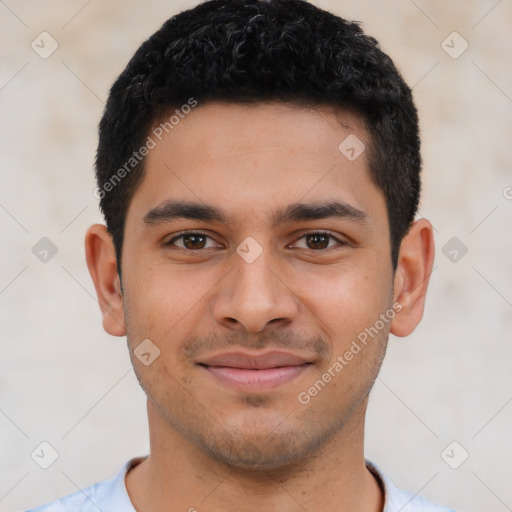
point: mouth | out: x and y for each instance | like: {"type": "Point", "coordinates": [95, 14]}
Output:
{"type": "Point", "coordinates": [254, 372]}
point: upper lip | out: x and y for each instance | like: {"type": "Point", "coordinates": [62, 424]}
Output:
{"type": "Point", "coordinates": [254, 361]}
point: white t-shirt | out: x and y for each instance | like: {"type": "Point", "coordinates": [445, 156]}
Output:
{"type": "Point", "coordinates": [112, 496]}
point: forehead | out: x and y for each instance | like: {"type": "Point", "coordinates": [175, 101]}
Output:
{"type": "Point", "coordinates": [252, 159]}
{"type": "Point", "coordinates": [217, 128]}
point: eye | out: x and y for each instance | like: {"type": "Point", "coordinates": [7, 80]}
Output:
{"type": "Point", "coordinates": [197, 241]}
{"type": "Point", "coordinates": [320, 240]}
{"type": "Point", "coordinates": [192, 241]}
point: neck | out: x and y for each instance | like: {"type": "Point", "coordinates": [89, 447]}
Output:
{"type": "Point", "coordinates": [334, 478]}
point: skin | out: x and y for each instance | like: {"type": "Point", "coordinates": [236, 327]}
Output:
{"type": "Point", "coordinates": [215, 447]}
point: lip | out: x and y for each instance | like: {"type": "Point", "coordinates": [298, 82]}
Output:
{"type": "Point", "coordinates": [255, 361]}
{"type": "Point", "coordinates": [253, 372]}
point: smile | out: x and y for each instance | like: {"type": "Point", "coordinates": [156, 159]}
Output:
{"type": "Point", "coordinates": [249, 372]}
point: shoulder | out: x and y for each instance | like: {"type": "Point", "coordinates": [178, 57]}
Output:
{"type": "Point", "coordinates": [400, 500]}
{"type": "Point", "coordinates": [86, 500]}
{"type": "Point", "coordinates": [107, 496]}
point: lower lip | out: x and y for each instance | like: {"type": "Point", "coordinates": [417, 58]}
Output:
{"type": "Point", "coordinates": [243, 378]}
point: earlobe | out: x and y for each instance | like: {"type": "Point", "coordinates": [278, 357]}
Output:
{"type": "Point", "coordinates": [102, 264]}
{"type": "Point", "coordinates": [415, 262]}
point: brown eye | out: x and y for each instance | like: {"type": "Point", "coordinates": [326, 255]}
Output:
{"type": "Point", "coordinates": [317, 241]}
{"type": "Point", "coordinates": [194, 241]}
{"type": "Point", "coordinates": [191, 241]}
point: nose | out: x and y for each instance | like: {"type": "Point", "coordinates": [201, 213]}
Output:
{"type": "Point", "coordinates": [254, 295]}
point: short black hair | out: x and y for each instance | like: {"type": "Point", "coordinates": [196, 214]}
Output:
{"type": "Point", "coordinates": [251, 51]}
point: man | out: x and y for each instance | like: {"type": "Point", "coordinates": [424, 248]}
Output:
{"type": "Point", "coordinates": [259, 171]}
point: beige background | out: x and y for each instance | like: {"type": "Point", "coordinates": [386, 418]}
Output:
{"type": "Point", "coordinates": [64, 381]}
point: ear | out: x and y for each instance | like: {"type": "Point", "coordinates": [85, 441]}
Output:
{"type": "Point", "coordinates": [102, 263]}
{"type": "Point", "coordinates": [415, 261]}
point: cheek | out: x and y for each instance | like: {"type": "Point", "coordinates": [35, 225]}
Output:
{"type": "Point", "coordinates": [160, 295]}
{"type": "Point", "coordinates": [346, 299]}
{"type": "Point", "coordinates": [167, 304]}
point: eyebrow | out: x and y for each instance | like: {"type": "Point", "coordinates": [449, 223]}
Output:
{"type": "Point", "coordinates": [296, 212]}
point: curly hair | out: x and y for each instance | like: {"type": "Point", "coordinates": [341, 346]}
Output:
{"type": "Point", "coordinates": [250, 51]}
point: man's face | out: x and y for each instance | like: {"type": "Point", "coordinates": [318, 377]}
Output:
{"type": "Point", "coordinates": [249, 311]}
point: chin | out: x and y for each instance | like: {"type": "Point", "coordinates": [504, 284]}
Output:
{"type": "Point", "coordinates": [256, 455]}
{"type": "Point", "coordinates": [263, 449]}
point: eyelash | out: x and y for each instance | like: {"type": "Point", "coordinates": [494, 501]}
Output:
{"type": "Point", "coordinates": [185, 233]}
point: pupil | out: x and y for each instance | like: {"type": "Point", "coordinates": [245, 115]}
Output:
{"type": "Point", "coordinates": [316, 240]}
{"type": "Point", "coordinates": [191, 241]}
